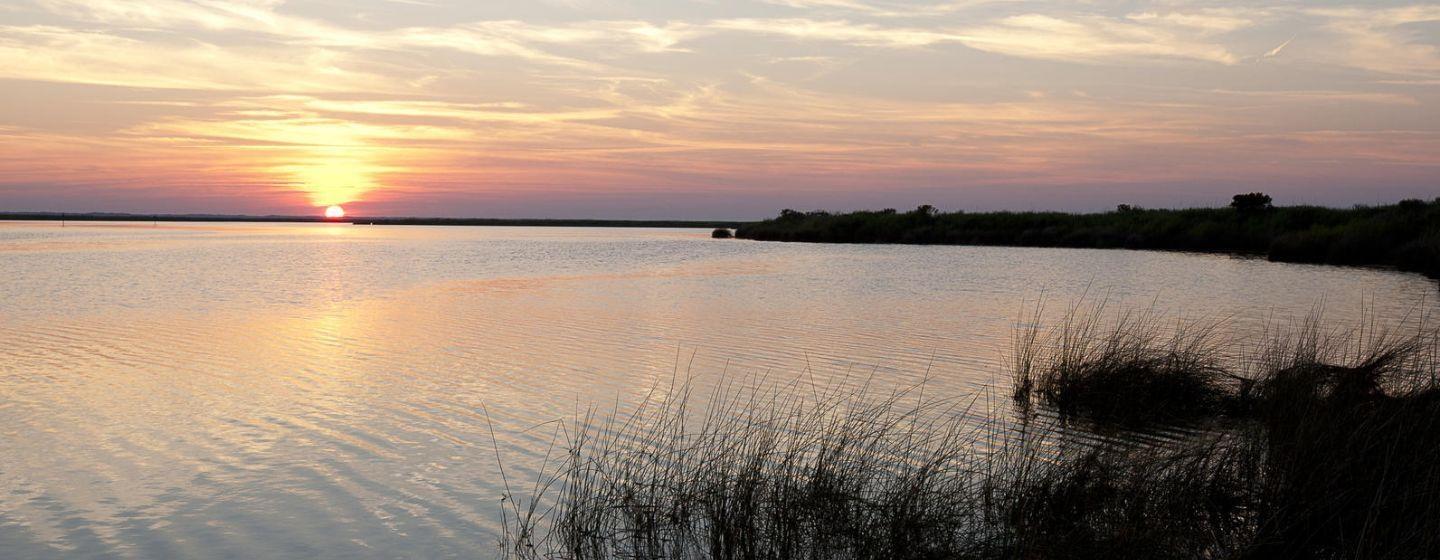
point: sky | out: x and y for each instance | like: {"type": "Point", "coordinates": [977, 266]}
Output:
{"type": "Point", "coordinates": [711, 108]}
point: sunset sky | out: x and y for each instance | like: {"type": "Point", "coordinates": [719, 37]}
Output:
{"type": "Point", "coordinates": [710, 109]}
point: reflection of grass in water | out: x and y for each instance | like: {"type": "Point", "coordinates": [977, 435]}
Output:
{"type": "Point", "coordinates": [1329, 453]}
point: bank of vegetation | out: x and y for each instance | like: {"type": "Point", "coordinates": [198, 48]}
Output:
{"type": "Point", "coordinates": [1312, 442]}
{"type": "Point", "coordinates": [1404, 235]}
{"type": "Point", "coordinates": [364, 221]}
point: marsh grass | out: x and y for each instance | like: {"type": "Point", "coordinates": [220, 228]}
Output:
{"type": "Point", "coordinates": [1194, 499]}
{"type": "Point", "coordinates": [1342, 424]}
{"type": "Point", "coordinates": [1351, 420]}
{"type": "Point", "coordinates": [1133, 368]}
{"type": "Point", "coordinates": [1329, 452]}
{"type": "Point", "coordinates": [849, 474]}
{"type": "Point", "coordinates": [768, 471]}
{"type": "Point", "coordinates": [1129, 367]}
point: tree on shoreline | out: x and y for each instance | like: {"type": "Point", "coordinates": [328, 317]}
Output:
{"type": "Point", "coordinates": [1252, 202]}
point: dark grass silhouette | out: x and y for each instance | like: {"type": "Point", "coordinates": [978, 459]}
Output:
{"type": "Point", "coordinates": [799, 474]}
{"type": "Point", "coordinates": [1131, 368]}
{"type": "Point", "coordinates": [1196, 500]}
{"type": "Point", "coordinates": [1352, 421]}
{"type": "Point", "coordinates": [1328, 451]}
{"type": "Point", "coordinates": [1404, 235]}
{"type": "Point", "coordinates": [1342, 427]}
{"type": "Point", "coordinates": [851, 476]}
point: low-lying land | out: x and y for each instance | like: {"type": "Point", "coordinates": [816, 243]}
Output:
{"type": "Point", "coordinates": [1404, 235]}
{"type": "Point", "coordinates": [130, 217]}
{"type": "Point", "coordinates": [1320, 443]}
{"type": "Point", "coordinates": [369, 221]}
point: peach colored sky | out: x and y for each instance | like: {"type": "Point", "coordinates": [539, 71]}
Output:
{"type": "Point", "coordinates": [733, 109]}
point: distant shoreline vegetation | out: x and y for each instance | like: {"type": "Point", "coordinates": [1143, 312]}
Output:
{"type": "Point", "coordinates": [1404, 235]}
{"type": "Point", "coordinates": [363, 221]}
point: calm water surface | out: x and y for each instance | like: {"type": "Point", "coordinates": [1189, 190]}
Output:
{"type": "Point", "coordinates": [269, 391]}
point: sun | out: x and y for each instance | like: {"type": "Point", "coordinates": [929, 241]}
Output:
{"type": "Point", "coordinates": [334, 213]}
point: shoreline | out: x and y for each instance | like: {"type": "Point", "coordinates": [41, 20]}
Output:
{"type": "Point", "coordinates": [1403, 236]}
{"type": "Point", "coordinates": [365, 221]}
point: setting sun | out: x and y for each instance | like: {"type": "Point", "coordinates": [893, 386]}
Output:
{"type": "Point", "coordinates": [334, 212]}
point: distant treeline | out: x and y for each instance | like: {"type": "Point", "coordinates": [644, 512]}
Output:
{"type": "Point", "coordinates": [126, 217]}
{"type": "Point", "coordinates": [537, 222]}
{"type": "Point", "coordinates": [1404, 235]}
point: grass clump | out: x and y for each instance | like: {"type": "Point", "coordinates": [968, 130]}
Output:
{"type": "Point", "coordinates": [835, 475]}
{"type": "Point", "coordinates": [1129, 368]}
{"type": "Point", "coordinates": [1342, 427]}
{"type": "Point", "coordinates": [1352, 428]}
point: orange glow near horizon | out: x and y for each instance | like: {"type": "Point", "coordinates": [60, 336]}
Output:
{"type": "Point", "coordinates": [334, 212]}
{"type": "Point", "coordinates": [333, 176]}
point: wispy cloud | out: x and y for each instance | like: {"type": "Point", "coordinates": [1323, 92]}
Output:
{"type": "Point", "coordinates": [1082, 38]}
{"type": "Point", "coordinates": [864, 34]}
{"type": "Point", "coordinates": [50, 53]}
{"type": "Point", "coordinates": [1099, 38]}
{"type": "Point", "coordinates": [1390, 40]}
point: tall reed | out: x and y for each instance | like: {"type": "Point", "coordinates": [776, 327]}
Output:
{"type": "Point", "coordinates": [767, 471]}
{"type": "Point", "coordinates": [1130, 367]}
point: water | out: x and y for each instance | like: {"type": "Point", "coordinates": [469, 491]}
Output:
{"type": "Point", "coordinates": [268, 391]}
